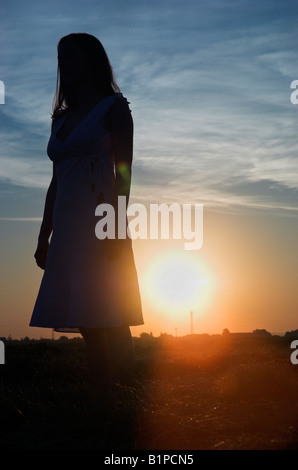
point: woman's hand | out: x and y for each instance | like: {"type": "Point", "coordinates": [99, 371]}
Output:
{"type": "Point", "coordinates": [41, 254]}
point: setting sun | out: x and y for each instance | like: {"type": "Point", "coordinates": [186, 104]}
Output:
{"type": "Point", "coordinates": [176, 282]}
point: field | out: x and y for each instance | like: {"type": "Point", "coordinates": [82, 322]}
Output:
{"type": "Point", "coordinates": [198, 392]}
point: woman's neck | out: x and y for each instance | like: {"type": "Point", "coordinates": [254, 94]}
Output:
{"type": "Point", "coordinates": [86, 95]}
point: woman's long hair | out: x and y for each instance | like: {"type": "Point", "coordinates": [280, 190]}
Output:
{"type": "Point", "coordinates": [101, 72]}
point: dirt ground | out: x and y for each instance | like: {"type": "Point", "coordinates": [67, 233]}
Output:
{"type": "Point", "coordinates": [198, 392]}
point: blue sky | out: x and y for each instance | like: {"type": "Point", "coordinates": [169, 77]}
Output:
{"type": "Point", "coordinates": [209, 87]}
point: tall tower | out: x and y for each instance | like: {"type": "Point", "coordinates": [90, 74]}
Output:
{"type": "Point", "coordinates": [191, 322]}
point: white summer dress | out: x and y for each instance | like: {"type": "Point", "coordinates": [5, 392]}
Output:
{"type": "Point", "coordinates": [81, 285]}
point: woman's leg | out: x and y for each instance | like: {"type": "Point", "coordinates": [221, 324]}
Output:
{"type": "Point", "coordinates": [97, 356]}
{"type": "Point", "coordinates": [110, 355]}
{"type": "Point", "coordinates": [121, 354]}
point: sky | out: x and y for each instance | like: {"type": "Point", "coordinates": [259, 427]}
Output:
{"type": "Point", "coordinates": [209, 86]}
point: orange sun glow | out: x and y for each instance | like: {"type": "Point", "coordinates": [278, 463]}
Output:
{"type": "Point", "coordinates": [176, 282]}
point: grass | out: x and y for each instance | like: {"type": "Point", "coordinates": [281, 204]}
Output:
{"type": "Point", "coordinates": [217, 392]}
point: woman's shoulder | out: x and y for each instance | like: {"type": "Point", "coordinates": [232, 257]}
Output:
{"type": "Point", "coordinates": [120, 107]}
{"type": "Point", "coordinates": [119, 111]}
{"type": "Point", "coordinates": [120, 102]}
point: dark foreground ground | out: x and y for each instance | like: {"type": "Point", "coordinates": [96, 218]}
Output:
{"type": "Point", "coordinates": [197, 392]}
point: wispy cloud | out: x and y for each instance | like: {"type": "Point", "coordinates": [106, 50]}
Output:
{"type": "Point", "coordinates": [27, 172]}
{"type": "Point", "coordinates": [209, 91]}
{"type": "Point", "coordinates": [21, 219]}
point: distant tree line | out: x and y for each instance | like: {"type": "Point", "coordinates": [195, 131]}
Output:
{"type": "Point", "coordinates": [260, 333]}
{"type": "Point", "coordinates": [292, 334]}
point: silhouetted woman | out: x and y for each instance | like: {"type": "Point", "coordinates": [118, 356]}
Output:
{"type": "Point", "coordinates": [89, 285]}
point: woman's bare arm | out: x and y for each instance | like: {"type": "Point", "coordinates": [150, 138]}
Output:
{"type": "Point", "coordinates": [122, 142]}
{"type": "Point", "coordinates": [121, 125]}
{"type": "Point", "coordinates": [46, 225]}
